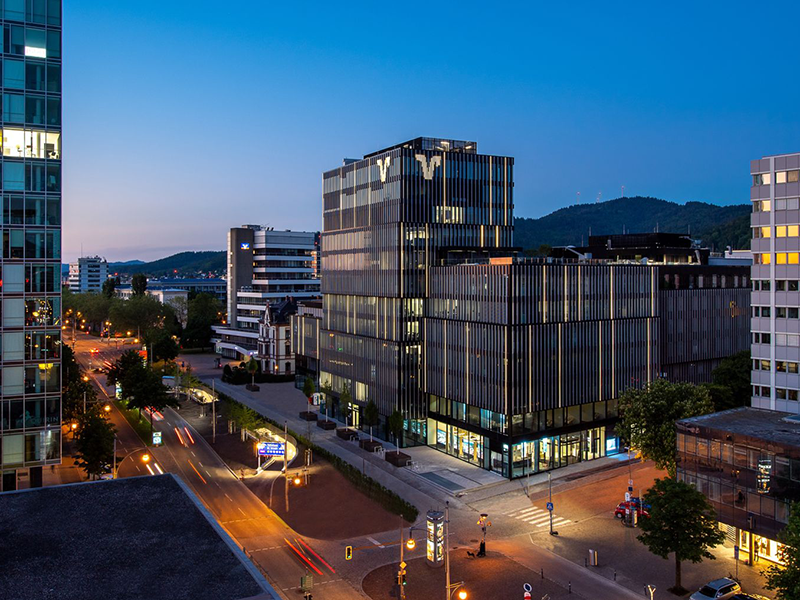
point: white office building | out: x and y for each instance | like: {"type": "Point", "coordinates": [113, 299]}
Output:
{"type": "Point", "coordinates": [87, 274]}
{"type": "Point", "coordinates": [265, 267]}
{"type": "Point", "coordinates": [775, 301]}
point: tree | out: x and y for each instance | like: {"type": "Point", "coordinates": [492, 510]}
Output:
{"type": "Point", "coordinates": [309, 389]}
{"type": "Point", "coordinates": [721, 396]}
{"type": "Point", "coordinates": [160, 345]}
{"type": "Point", "coordinates": [125, 372]}
{"type": "Point", "coordinates": [94, 443]}
{"type": "Point", "coordinates": [110, 287]}
{"type": "Point", "coordinates": [396, 423]}
{"type": "Point", "coordinates": [681, 522]}
{"type": "Point", "coordinates": [371, 416]}
{"type": "Point", "coordinates": [139, 284]}
{"type": "Point", "coordinates": [253, 367]}
{"type": "Point", "coordinates": [785, 579]}
{"type": "Point", "coordinates": [149, 392]}
{"type": "Point", "coordinates": [74, 387]}
{"type": "Point", "coordinates": [648, 415]}
{"type": "Point", "coordinates": [345, 403]}
{"type": "Point", "coordinates": [327, 390]}
{"type": "Point", "coordinates": [203, 311]}
{"type": "Point", "coordinates": [733, 372]}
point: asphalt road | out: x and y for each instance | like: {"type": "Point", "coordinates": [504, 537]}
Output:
{"type": "Point", "coordinates": [282, 554]}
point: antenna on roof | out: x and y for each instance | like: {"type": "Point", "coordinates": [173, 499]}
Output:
{"type": "Point", "coordinates": [579, 197]}
{"type": "Point", "coordinates": [599, 194]}
{"type": "Point", "coordinates": [623, 191]}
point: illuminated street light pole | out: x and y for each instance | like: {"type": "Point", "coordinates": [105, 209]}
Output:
{"type": "Point", "coordinates": [115, 469]}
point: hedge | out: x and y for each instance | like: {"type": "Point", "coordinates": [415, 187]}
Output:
{"type": "Point", "coordinates": [247, 418]}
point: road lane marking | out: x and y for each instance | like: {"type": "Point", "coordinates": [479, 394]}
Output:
{"type": "Point", "coordinates": [376, 542]}
{"type": "Point", "coordinates": [517, 515]}
{"type": "Point", "coordinates": [196, 471]}
{"type": "Point", "coordinates": [241, 511]}
{"type": "Point", "coordinates": [228, 497]}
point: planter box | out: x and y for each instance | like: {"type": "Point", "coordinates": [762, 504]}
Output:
{"type": "Point", "coordinates": [308, 416]}
{"type": "Point", "coordinates": [252, 387]}
{"type": "Point", "coordinates": [347, 434]}
{"type": "Point", "coordinates": [326, 425]}
{"type": "Point", "coordinates": [398, 459]}
{"type": "Point", "coordinates": [370, 446]}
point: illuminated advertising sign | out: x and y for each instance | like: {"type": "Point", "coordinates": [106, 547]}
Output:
{"type": "Point", "coordinates": [270, 448]}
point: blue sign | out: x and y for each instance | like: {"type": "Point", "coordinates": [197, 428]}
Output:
{"type": "Point", "coordinates": [550, 506]}
{"type": "Point", "coordinates": [270, 448]}
{"type": "Point", "coordinates": [245, 246]}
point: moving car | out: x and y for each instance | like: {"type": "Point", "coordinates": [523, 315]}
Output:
{"type": "Point", "coordinates": [94, 351]}
{"type": "Point", "coordinates": [619, 512]}
{"type": "Point", "coordinates": [719, 589]}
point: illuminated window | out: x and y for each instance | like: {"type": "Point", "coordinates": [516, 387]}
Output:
{"type": "Point", "coordinates": [762, 179]}
{"type": "Point", "coordinates": [765, 259]}
{"type": "Point", "coordinates": [765, 205]}
{"type": "Point", "coordinates": [765, 232]}
{"type": "Point", "coordinates": [780, 231]}
{"type": "Point", "coordinates": [780, 258]}
{"type": "Point", "coordinates": [794, 258]}
{"type": "Point", "coordinates": [35, 43]}
{"type": "Point", "coordinates": [792, 176]}
{"type": "Point", "coordinates": [793, 230]}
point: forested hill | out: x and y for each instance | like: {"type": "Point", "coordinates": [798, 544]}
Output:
{"type": "Point", "coordinates": [185, 263]}
{"type": "Point", "coordinates": [716, 226]}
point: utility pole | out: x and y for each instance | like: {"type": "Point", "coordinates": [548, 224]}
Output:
{"type": "Point", "coordinates": [213, 412]}
{"type": "Point", "coordinates": [402, 563]}
{"type": "Point", "coordinates": [114, 468]}
{"type": "Point", "coordinates": [286, 463]}
{"type": "Point", "coordinates": [447, 548]}
{"type": "Point", "coordinates": [84, 401]}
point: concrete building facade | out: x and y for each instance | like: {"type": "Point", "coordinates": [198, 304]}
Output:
{"type": "Point", "coordinates": [87, 274]}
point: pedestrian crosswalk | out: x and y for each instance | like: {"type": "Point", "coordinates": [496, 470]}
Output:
{"type": "Point", "coordinates": [538, 517]}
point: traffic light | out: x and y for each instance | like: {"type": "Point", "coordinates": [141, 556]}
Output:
{"type": "Point", "coordinates": [401, 577]}
{"type": "Point", "coordinates": [348, 553]}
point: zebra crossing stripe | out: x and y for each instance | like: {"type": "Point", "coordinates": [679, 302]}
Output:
{"type": "Point", "coordinates": [538, 519]}
{"type": "Point", "coordinates": [519, 514]}
{"type": "Point", "coordinates": [558, 521]}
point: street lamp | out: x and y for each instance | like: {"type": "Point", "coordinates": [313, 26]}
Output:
{"type": "Point", "coordinates": [410, 544]}
{"type": "Point", "coordinates": [107, 408]}
{"type": "Point", "coordinates": [145, 458]}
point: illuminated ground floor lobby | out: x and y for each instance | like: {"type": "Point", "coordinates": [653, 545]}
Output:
{"type": "Point", "coordinates": [513, 458]}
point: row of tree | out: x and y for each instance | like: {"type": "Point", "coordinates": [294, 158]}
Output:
{"type": "Point", "coordinates": [159, 325]}
{"type": "Point", "coordinates": [140, 386]}
{"type": "Point", "coordinates": [682, 521]}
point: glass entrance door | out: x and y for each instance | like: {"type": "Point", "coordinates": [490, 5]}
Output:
{"type": "Point", "coordinates": [570, 449]}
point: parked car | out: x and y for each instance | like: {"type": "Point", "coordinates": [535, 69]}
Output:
{"type": "Point", "coordinates": [719, 589]}
{"type": "Point", "coordinates": [619, 512]}
{"type": "Point", "coordinates": [748, 597]}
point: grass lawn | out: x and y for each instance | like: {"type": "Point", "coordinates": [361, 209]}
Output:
{"type": "Point", "coordinates": [140, 426]}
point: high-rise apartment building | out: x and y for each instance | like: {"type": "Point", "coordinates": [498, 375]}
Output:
{"type": "Point", "coordinates": [87, 274]}
{"type": "Point", "coordinates": [30, 406]}
{"type": "Point", "coordinates": [265, 267]}
{"type": "Point", "coordinates": [775, 221]}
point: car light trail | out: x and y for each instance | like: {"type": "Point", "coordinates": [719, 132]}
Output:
{"type": "Point", "coordinates": [302, 556]}
{"type": "Point", "coordinates": [200, 476]}
{"type": "Point", "coordinates": [322, 560]}
{"type": "Point", "coordinates": [189, 435]}
{"type": "Point", "coordinates": [180, 438]}
{"type": "Point", "coordinates": [149, 469]}
{"type": "Point", "coordinates": [160, 470]}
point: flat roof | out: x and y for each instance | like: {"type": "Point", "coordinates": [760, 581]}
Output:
{"type": "Point", "coordinates": [768, 425]}
{"type": "Point", "coordinates": [139, 537]}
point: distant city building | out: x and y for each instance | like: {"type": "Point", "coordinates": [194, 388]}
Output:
{"type": "Point", "coordinates": [214, 286]}
{"type": "Point", "coordinates": [164, 295]}
{"type": "Point", "coordinates": [511, 364]}
{"type": "Point", "coordinates": [265, 268]}
{"type": "Point", "coordinates": [87, 274]}
{"type": "Point", "coordinates": [30, 400]}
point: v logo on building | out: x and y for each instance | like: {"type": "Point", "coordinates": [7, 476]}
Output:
{"type": "Point", "coordinates": [428, 167]}
{"type": "Point", "coordinates": [383, 165]}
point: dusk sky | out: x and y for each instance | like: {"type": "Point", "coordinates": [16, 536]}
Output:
{"type": "Point", "coordinates": [185, 118]}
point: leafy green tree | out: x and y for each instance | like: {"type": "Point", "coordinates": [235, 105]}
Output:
{"type": "Point", "coordinates": [681, 522]}
{"type": "Point", "coordinates": [733, 373]}
{"type": "Point", "coordinates": [253, 368]}
{"type": "Point", "coordinates": [139, 284]}
{"type": "Point", "coordinates": [721, 396]}
{"type": "Point", "coordinates": [395, 424]}
{"type": "Point", "coordinates": [785, 579]}
{"type": "Point", "coordinates": [160, 345]}
{"type": "Point", "coordinates": [345, 403]}
{"type": "Point", "coordinates": [110, 287]}
{"type": "Point", "coordinates": [327, 389]}
{"type": "Point", "coordinates": [371, 416]}
{"type": "Point", "coordinates": [648, 415]}
{"type": "Point", "coordinates": [309, 389]}
{"type": "Point", "coordinates": [204, 310]}
{"type": "Point", "coordinates": [149, 392]}
{"type": "Point", "coordinates": [94, 443]}
{"type": "Point", "coordinates": [125, 372]}
{"type": "Point", "coordinates": [74, 386]}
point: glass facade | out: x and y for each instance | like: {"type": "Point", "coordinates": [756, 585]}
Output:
{"type": "Point", "coordinates": [30, 263]}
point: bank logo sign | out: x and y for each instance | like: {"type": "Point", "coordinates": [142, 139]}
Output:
{"type": "Point", "coordinates": [383, 165]}
{"type": "Point", "coordinates": [428, 167]}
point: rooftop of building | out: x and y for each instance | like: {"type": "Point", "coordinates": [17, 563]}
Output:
{"type": "Point", "coordinates": [429, 143]}
{"type": "Point", "coordinates": [310, 303]}
{"type": "Point", "coordinates": [141, 537]}
{"type": "Point", "coordinates": [767, 425]}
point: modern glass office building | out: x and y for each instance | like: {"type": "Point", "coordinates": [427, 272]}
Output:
{"type": "Point", "coordinates": [387, 218]}
{"type": "Point", "coordinates": [30, 288]}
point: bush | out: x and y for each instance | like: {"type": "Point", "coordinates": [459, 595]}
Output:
{"type": "Point", "coordinates": [247, 418]}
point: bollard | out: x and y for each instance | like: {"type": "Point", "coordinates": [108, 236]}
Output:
{"type": "Point", "coordinates": [569, 587]}
{"type": "Point", "coordinates": [585, 562]}
{"type": "Point", "coordinates": [615, 574]}
{"type": "Point", "coordinates": [542, 573]}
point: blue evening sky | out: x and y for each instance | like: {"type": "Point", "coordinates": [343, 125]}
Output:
{"type": "Point", "coordinates": [184, 118]}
